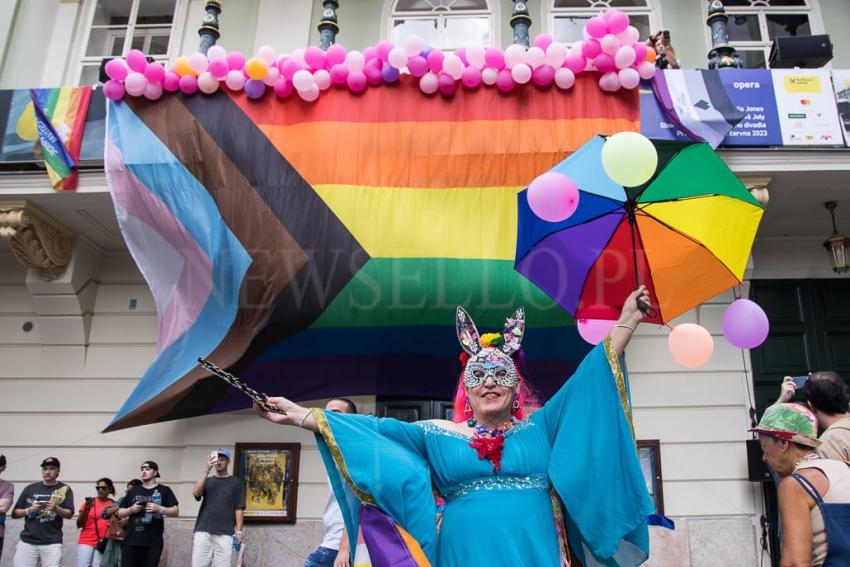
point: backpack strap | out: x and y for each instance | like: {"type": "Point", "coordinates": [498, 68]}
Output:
{"type": "Point", "coordinates": [808, 487]}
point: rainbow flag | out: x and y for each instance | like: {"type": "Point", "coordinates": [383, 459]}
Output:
{"type": "Point", "coordinates": [367, 220]}
{"type": "Point", "coordinates": [56, 118]}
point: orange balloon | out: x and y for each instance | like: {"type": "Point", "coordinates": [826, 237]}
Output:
{"type": "Point", "coordinates": [182, 67]}
{"type": "Point", "coordinates": [690, 344]}
{"type": "Point", "coordinates": [256, 68]}
{"type": "Point", "coordinates": [650, 54]}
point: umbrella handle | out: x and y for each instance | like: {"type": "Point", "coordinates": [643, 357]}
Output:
{"type": "Point", "coordinates": [645, 308]}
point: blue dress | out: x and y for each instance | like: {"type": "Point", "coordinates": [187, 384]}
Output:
{"type": "Point", "coordinates": [579, 445]}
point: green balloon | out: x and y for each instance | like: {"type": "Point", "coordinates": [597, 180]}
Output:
{"type": "Point", "coordinates": [629, 158]}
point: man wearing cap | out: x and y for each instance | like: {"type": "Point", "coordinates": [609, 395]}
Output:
{"type": "Point", "coordinates": [222, 498]}
{"type": "Point", "coordinates": [145, 506]}
{"type": "Point", "coordinates": [7, 495]}
{"type": "Point", "coordinates": [43, 505]}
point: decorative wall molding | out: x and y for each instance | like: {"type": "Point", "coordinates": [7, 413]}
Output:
{"type": "Point", "coordinates": [38, 241]}
{"type": "Point", "coordinates": [757, 186]}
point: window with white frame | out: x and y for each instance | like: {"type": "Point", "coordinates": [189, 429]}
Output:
{"type": "Point", "coordinates": [117, 26]}
{"type": "Point", "coordinates": [443, 24]}
{"type": "Point", "coordinates": [754, 24]}
{"type": "Point", "coordinates": [569, 16]}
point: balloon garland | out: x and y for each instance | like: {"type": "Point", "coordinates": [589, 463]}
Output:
{"type": "Point", "coordinates": [611, 47]}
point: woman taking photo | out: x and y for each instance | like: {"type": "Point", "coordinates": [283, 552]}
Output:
{"type": "Point", "coordinates": [814, 495]}
{"type": "Point", "coordinates": [92, 524]}
{"type": "Point", "coordinates": [503, 467]}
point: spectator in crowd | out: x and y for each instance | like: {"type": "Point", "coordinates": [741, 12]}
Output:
{"type": "Point", "coordinates": [117, 528]}
{"type": "Point", "coordinates": [665, 54]}
{"type": "Point", "coordinates": [145, 506]}
{"type": "Point", "coordinates": [93, 525]}
{"type": "Point", "coordinates": [222, 498]}
{"type": "Point", "coordinates": [7, 495]}
{"type": "Point", "coordinates": [333, 551]}
{"type": "Point", "coordinates": [828, 396]}
{"type": "Point", "coordinates": [43, 505]}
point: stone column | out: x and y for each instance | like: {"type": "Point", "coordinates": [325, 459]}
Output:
{"type": "Point", "coordinates": [520, 22]}
{"type": "Point", "coordinates": [209, 29]}
{"type": "Point", "coordinates": [722, 55]}
{"type": "Point", "coordinates": [328, 25]}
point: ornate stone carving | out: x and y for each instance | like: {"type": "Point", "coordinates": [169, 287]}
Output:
{"type": "Point", "coordinates": [757, 186]}
{"type": "Point", "coordinates": [38, 241]}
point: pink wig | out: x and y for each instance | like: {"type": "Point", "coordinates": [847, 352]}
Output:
{"type": "Point", "coordinates": [527, 398]}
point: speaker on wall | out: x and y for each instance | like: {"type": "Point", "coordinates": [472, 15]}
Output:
{"type": "Point", "coordinates": [804, 51]}
{"type": "Point", "coordinates": [756, 468]}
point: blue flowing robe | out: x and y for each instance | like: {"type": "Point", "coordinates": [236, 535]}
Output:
{"type": "Point", "coordinates": [580, 443]}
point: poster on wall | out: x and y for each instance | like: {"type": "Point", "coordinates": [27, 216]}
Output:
{"type": "Point", "coordinates": [807, 112]}
{"type": "Point", "coordinates": [841, 83]}
{"type": "Point", "coordinates": [751, 91]}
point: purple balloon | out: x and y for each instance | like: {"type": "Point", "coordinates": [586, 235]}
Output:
{"type": "Point", "coordinates": [417, 66]}
{"type": "Point", "coordinates": [745, 324]}
{"type": "Point", "coordinates": [553, 196]}
{"type": "Point", "coordinates": [254, 89]}
{"type": "Point", "coordinates": [116, 69]}
{"type": "Point", "coordinates": [389, 73]}
{"type": "Point", "coordinates": [113, 90]}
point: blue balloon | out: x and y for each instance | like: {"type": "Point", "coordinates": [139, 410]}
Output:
{"type": "Point", "coordinates": [255, 89]}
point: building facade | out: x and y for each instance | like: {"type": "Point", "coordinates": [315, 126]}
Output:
{"type": "Point", "coordinates": [74, 347]}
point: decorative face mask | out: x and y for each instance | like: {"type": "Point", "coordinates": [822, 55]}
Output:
{"type": "Point", "coordinates": [490, 362]}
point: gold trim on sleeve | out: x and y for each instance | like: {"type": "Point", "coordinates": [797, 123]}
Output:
{"type": "Point", "coordinates": [620, 379]}
{"type": "Point", "coordinates": [336, 453]}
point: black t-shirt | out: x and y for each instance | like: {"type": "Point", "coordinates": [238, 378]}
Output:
{"type": "Point", "coordinates": [222, 497]}
{"type": "Point", "coordinates": [145, 528]}
{"type": "Point", "coordinates": [44, 528]}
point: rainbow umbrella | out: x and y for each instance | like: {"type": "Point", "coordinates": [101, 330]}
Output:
{"type": "Point", "coordinates": [686, 234]}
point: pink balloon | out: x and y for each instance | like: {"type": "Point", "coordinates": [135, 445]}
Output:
{"type": "Point", "coordinates": [235, 80]}
{"type": "Point", "coordinates": [417, 65]}
{"type": "Point", "coordinates": [355, 61]}
{"type": "Point", "coordinates": [429, 83]}
{"type": "Point", "coordinates": [154, 72]}
{"type": "Point", "coordinates": [745, 324]}
{"type": "Point", "coordinates": [136, 61]}
{"type": "Point", "coordinates": [171, 81]}
{"type": "Point", "coordinates": [596, 27]}
{"type": "Point", "coordinates": [564, 78]}
{"type": "Point", "coordinates": [370, 53]}
{"type": "Point", "coordinates": [323, 79]}
{"type": "Point", "coordinates": [207, 84]}
{"type": "Point", "coordinates": [575, 62]}
{"type": "Point", "coordinates": [521, 73]}
{"type": "Point", "coordinates": [153, 91]}
{"type": "Point", "coordinates": [504, 81]}
{"type": "Point", "coordinates": [543, 41]}
{"type": "Point", "coordinates": [553, 196]}
{"type": "Point", "coordinates": [535, 57]}
{"type": "Point", "coordinates": [556, 54]}
{"type": "Point", "coordinates": [339, 74]}
{"type": "Point", "coordinates": [113, 89]}
{"type": "Point", "coordinates": [543, 76]}
{"type": "Point", "coordinates": [629, 78]}
{"type": "Point", "coordinates": [218, 68]}
{"type": "Point", "coordinates": [397, 57]}
{"type": "Point", "coordinates": [690, 344]}
{"type": "Point", "coordinates": [216, 52]}
{"type": "Point", "coordinates": [315, 58]}
{"type": "Point", "coordinates": [135, 84]}
{"type": "Point", "coordinates": [515, 55]}
{"type": "Point", "coordinates": [435, 60]}
{"type": "Point", "coordinates": [590, 48]}
{"type": "Point", "coordinates": [617, 21]}
{"type": "Point", "coordinates": [594, 330]}
{"type": "Point", "coordinates": [489, 76]}
{"type": "Point", "coordinates": [383, 49]}
{"type": "Point", "coordinates": [471, 77]}
{"type": "Point", "coordinates": [609, 82]}
{"type": "Point", "coordinates": [188, 84]}
{"type": "Point", "coordinates": [283, 87]}
{"type": "Point", "coordinates": [604, 63]}
{"type": "Point", "coordinates": [494, 58]}
{"type": "Point", "coordinates": [610, 44]}
{"type": "Point", "coordinates": [461, 53]}
{"type": "Point", "coordinates": [446, 84]}
{"type": "Point", "coordinates": [235, 60]}
{"type": "Point", "coordinates": [372, 70]}
{"type": "Point", "coordinates": [310, 94]}
{"type": "Point", "coordinates": [117, 69]}
{"type": "Point", "coordinates": [335, 55]}
{"type": "Point", "coordinates": [356, 81]}
{"type": "Point", "coordinates": [198, 62]}
{"type": "Point", "coordinates": [289, 68]}
{"type": "Point", "coordinates": [640, 52]}
{"type": "Point", "coordinates": [646, 70]}
{"type": "Point", "coordinates": [629, 36]}
{"type": "Point", "coordinates": [624, 57]}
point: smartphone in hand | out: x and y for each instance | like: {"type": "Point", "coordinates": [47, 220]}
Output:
{"type": "Point", "coordinates": [800, 381]}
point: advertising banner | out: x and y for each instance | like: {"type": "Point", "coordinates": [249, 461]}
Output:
{"type": "Point", "coordinates": [654, 123]}
{"type": "Point", "coordinates": [807, 112]}
{"type": "Point", "coordinates": [751, 90]}
{"type": "Point", "coordinates": [841, 83]}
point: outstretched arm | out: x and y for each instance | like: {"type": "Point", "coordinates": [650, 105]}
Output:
{"type": "Point", "coordinates": [630, 318]}
{"type": "Point", "coordinates": [295, 414]}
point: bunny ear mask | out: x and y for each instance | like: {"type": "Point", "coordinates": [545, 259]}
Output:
{"type": "Point", "coordinates": [467, 333]}
{"type": "Point", "coordinates": [514, 332]}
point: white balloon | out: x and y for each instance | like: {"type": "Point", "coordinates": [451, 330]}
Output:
{"type": "Point", "coordinates": [489, 76]}
{"type": "Point", "coordinates": [235, 80]}
{"type": "Point", "coordinates": [207, 83]}
{"type": "Point", "coordinates": [154, 90]}
{"type": "Point", "coordinates": [629, 36]}
{"type": "Point", "coordinates": [298, 55]}
{"type": "Point", "coordinates": [303, 80]}
{"type": "Point", "coordinates": [475, 56]}
{"type": "Point", "coordinates": [521, 73]}
{"type": "Point", "coordinates": [514, 55]}
{"type": "Point", "coordinates": [629, 78]}
{"type": "Point", "coordinates": [535, 57]}
{"type": "Point", "coordinates": [564, 78]}
{"type": "Point", "coordinates": [413, 45]}
{"type": "Point", "coordinates": [216, 52]}
{"type": "Point", "coordinates": [397, 57]}
{"type": "Point", "coordinates": [323, 79]}
{"type": "Point", "coordinates": [556, 54]}
{"type": "Point", "coordinates": [267, 54]}
{"type": "Point", "coordinates": [453, 66]}
{"type": "Point", "coordinates": [354, 60]}
{"type": "Point", "coordinates": [272, 75]}
{"type": "Point", "coordinates": [428, 83]}
{"type": "Point", "coordinates": [134, 84]}
{"type": "Point", "coordinates": [646, 70]}
{"type": "Point", "coordinates": [610, 44]}
{"type": "Point", "coordinates": [310, 94]}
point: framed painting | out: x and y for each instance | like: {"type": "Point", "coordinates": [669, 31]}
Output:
{"type": "Point", "coordinates": [270, 474]}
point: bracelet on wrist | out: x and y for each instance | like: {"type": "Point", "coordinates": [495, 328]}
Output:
{"type": "Point", "coordinates": [624, 326]}
{"type": "Point", "coordinates": [303, 419]}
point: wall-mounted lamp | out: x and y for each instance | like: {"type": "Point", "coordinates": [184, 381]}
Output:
{"type": "Point", "coordinates": [837, 244]}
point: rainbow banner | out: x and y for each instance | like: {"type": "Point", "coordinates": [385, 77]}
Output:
{"type": "Point", "coordinates": [56, 118]}
{"type": "Point", "coordinates": [367, 220]}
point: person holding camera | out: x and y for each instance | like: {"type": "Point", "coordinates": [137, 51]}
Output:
{"type": "Point", "coordinates": [146, 506]}
{"type": "Point", "coordinates": [222, 499]}
{"type": "Point", "coordinates": [665, 54]}
{"type": "Point", "coordinates": [43, 505]}
{"type": "Point", "coordinates": [828, 396]}
{"type": "Point", "coordinates": [93, 525]}
{"type": "Point", "coordinates": [7, 495]}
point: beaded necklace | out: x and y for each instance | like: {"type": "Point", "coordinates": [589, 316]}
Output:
{"type": "Point", "coordinates": [805, 459]}
{"type": "Point", "coordinates": [489, 443]}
